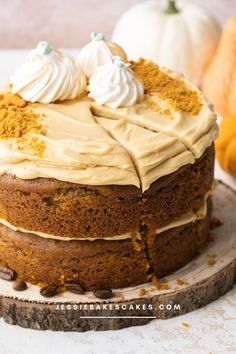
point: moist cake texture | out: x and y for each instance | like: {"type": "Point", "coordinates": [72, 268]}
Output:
{"type": "Point", "coordinates": [106, 188]}
{"type": "Point", "coordinates": [75, 211]}
{"type": "Point", "coordinates": [101, 264]}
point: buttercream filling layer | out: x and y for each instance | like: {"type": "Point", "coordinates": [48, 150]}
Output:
{"type": "Point", "coordinates": [182, 220]}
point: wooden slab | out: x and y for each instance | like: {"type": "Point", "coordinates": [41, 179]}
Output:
{"type": "Point", "coordinates": [203, 283]}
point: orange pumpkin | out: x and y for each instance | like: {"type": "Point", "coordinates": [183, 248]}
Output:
{"type": "Point", "coordinates": [226, 144]}
{"type": "Point", "coordinates": [219, 82]}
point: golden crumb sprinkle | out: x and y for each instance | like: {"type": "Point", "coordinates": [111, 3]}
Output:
{"type": "Point", "coordinates": [181, 282]}
{"type": "Point", "coordinates": [160, 285]}
{"type": "Point", "coordinates": [32, 143]}
{"type": "Point", "coordinates": [155, 107]}
{"type": "Point", "coordinates": [142, 292]}
{"type": "Point", "coordinates": [185, 324]}
{"type": "Point", "coordinates": [18, 121]}
{"type": "Point", "coordinates": [156, 81]}
{"type": "Point", "coordinates": [9, 99]}
{"type": "Point", "coordinates": [211, 259]}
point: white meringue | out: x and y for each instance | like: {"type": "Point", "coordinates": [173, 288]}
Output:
{"type": "Point", "coordinates": [48, 75]}
{"type": "Point", "coordinates": [98, 52]}
{"type": "Point", "coordinates": [115, 85]}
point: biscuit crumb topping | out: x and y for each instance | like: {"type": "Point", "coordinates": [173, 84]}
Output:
{"type": "Point", "coordinates": [179, 96]}
{"type": "Point", "coordinates": [18, 121]}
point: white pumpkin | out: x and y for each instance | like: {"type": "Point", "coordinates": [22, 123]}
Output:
{"type": "Point", "coordinates": [180, 36]}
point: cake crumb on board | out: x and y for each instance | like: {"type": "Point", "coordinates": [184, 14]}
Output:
{"type": "Point", "coordinates": [160, 285]}
{"type": "Point", "coordinates": [142, 292]}
{"type": "Point", "coordinates": [185, 324]}
{"type": "Point", "coordinates": [181, 282]}
{"type": "Point", "coordinates": [211, 259]}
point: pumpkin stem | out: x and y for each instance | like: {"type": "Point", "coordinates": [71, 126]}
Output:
{"type": "Point", "coordinates": [171, 9]}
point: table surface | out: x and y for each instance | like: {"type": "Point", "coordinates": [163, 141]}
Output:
{"type": "Point", "coordinates": [212, 329]}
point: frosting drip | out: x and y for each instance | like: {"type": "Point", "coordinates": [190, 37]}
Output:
{"type": "Point", "coordinates": [115, 85]}
{"type": "Point", "coordinates": [48, 75]}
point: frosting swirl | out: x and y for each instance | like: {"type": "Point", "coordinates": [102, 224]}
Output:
{"type": "Point", "coordinates": [98, 52]}
{"type": "Point", "coordinates": [115, 85]}
{"type": "Point", "coordinates": [48, 75]}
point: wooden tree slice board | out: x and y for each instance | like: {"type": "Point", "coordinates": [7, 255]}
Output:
{"type": "Point", "coordinates": [203, 284]}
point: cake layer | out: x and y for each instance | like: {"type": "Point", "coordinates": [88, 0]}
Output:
{"type": "Point", "coordinates": [171, 249]}
{"type": "Point", "coordinates": [79, 211]}
{"type": "Point", "coordinates": [185, 218]}
{"type": "Point", "coordinates": [172, 196]}
{"type": "Point", "coordinates": [101, 264]}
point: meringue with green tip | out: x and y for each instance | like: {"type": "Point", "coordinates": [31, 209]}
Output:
{"type": "Point", "coordinates": [98, 52]}
{"type": "Point", "coordinates": [115, 85]}
{"type": "Point", "coordinates": [48, 75]}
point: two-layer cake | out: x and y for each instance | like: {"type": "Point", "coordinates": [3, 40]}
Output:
{"type": "Point", "coordinates": [107, 169]}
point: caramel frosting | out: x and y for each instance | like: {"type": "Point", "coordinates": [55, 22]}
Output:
{"type": "Point", "coordinates": [77, 149]}
{"type": "Point", "coordinates": [195, 132]}
{"type": "Point", "coordinates": [48, 75]}
{"type": "Point", "coordinates": [88, 143]}
{"type": "Point", "coordinates": [182, 220]}
{"type": "Point", "coordinates": [154, 154]}
{"type": "Point", "coordinates": [162, 110]}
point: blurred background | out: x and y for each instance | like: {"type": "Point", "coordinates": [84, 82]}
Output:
{"type": "Point", "coordinates": [68, 23]}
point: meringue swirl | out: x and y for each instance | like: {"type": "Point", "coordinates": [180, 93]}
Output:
{"type": "Point", "coordinates": [48, 75]}
{"type": "Point", "coordinates": [115, 85]}
{"type": "Point", "coordinates": [98, 52]}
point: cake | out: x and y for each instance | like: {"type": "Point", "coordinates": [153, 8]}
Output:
{"type": "Point", "coordinates": [106, 169]}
